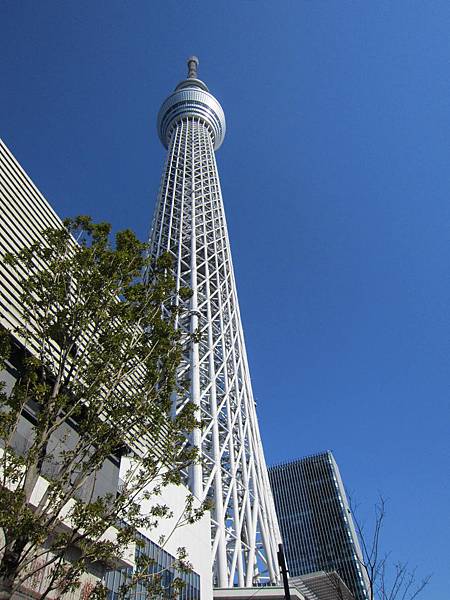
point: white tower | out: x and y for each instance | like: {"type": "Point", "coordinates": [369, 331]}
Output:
{"type": "Point", "coordinates": [189, 222]}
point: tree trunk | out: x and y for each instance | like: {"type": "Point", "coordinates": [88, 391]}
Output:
{"type": "Point", "coordinates": [9, 568]}
{"type": "Point", "coordinates": [7, 576]}
{"type": "Point", "coordinates": [6, 586]}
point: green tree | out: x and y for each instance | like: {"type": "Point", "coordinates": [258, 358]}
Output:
{"type": "Point", "coordinates": [100, 352]}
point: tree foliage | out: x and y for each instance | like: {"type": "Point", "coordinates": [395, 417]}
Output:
{"type": "Point", "coordinates": [97, 363]}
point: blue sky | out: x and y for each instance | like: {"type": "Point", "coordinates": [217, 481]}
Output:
{"type": "Point", "coordinates": [335, 175]}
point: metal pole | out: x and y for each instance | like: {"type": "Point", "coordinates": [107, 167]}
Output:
{"type": "Point", "coordinates": [284, 572]}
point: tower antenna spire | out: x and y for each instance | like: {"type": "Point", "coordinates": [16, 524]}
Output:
{"type": "Point", "coordinates": [192, 63]}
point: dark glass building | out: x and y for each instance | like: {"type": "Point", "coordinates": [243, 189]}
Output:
{"type": "Point", "coordinates": [315, 521]}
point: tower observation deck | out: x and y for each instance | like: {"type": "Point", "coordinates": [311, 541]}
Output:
{"type": "Point", "coordinates": [189, 222]}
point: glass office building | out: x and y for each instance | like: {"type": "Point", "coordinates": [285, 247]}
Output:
{"type": "Point", "coordinates": [315, 521]}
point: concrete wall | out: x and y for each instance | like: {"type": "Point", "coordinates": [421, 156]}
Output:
{"type": "Point", "coordinates": [196, 537]}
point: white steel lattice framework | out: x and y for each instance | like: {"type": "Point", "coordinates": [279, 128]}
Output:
{"type": "Point", "coordinates": [189, 222]}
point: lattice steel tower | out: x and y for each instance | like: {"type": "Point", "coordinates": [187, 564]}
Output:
{"type": "Point", "coordinates": [189, 222]}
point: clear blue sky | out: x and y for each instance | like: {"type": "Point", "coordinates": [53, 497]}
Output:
{"type": "Point", "coordinates": [336, 180]}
